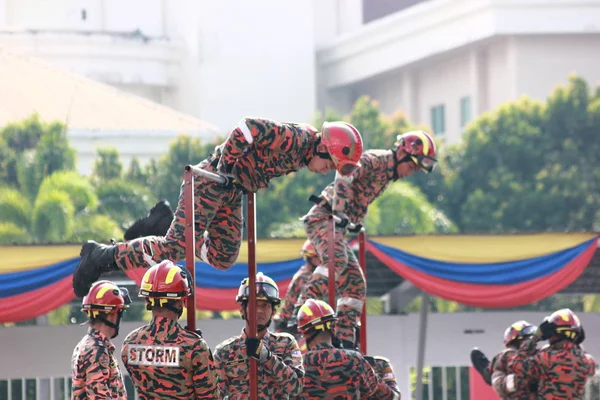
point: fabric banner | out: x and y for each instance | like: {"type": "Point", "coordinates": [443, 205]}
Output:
{"type": "Point", "coordinates": [480, 271]}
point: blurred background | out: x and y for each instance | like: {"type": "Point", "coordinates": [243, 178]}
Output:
{"type": "Point", "coordinates": [104, 101]}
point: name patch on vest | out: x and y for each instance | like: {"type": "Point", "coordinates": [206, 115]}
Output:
{"type": "Point", "coordinates": [158, 356]}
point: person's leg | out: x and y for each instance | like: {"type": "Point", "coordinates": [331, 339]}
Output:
{"type": "Point", "coordinates": [295, 287]}
{"type": "Point", "coordinates": [352, 290]}
{"type": "Point", "coordinates": [223, 237]}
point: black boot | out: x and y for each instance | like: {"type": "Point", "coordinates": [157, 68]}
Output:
{"type": "Point", "coordinates": [156, 223]}
{"type": "Point", "coordinates": [482, 365]}
{"type": "Point", "coordinates": [96, 259]}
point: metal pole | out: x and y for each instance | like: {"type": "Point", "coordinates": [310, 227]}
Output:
{"type": "Point", "coordinates": [201, 173]}
{"type": "Point", "coordinates": [250, 197]}
{"type": "Point", "coordinates": [190, 243]}
{"type": "Point", "coordinates": [421, 344]}
{"type": "Point", "coordinates": [362, 260]}
{"type": "Point", "coordinates": [331, 261]}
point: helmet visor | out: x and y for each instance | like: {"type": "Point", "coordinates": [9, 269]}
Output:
{"type": "Point", "coordinates": [264, 290]}
{"type": "Point", "coordinates": [426, 163]}
{"type": "Point", "coordinates": [126, 296]}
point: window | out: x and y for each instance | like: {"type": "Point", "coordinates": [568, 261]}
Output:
{"type": "Point", "coordinates": [465, 111]}
{"type": "Point", "coordinates": [438, 122]}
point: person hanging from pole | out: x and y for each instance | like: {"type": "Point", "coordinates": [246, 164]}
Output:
{"type": "Point", "coordinates": [348, 198]}
{"type": "Point", "coordinates": [280, 370]}
{"type": "Point", "coordinates": [501, 364]}
{"type": "Point", "coordinates": [332, 372]}
{"type": "Point", "coordinates": [95, 371]}
{"type": "Point", "coordinates": [163, 359]}
{"type": "Point", "coordinates": [311, 261]}
{"type": "Point", "coordinates": [255, 152]}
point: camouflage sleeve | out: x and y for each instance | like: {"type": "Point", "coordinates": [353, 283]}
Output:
{"type": "Point", "coordinates": [499, 373]}
{"type": "Point", "coordinates": [264, 133]}
{"type": "Point", "coordinates": [368, 379]}
{"type": "Point", "coordinates": [205, 374]}
{"type": "Point", "coordinates": [527, 365]}
{"type": "Point", "coordinates": [389, 379]}
{"type": "Point", "coordinates": [341, 191]}
{"type": "Point", "coordinates": [222, 382]}
{"type": "Point", "coordinates": [288, 369]}
{"type": "Point", "coordinates": [97, 372]}
{"type": "Point", "coordinates": [590, 364]}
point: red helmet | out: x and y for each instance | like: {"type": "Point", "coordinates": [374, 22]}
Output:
{"type": "Point", "coordinates": [515, 332]}
{"type": "Point", "coordinates": [308, 250]}
{"type": "Point", "coordinates": [566, 323]}
{"type": "Point", "coordinates": [420, 147]}
{"type": "Point", "coordinates": [266, 289]}
{"type": "Point", "coordinates": [166, 281]}
{"type": "Point", "coordinates": [105, 297]}
{"type": "Point", "coordinates": [344, 145]}
{"type": "Point", "coordinates": [315, 315]}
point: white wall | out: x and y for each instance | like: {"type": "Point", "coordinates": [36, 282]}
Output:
{"type": "Point", "coordinates": [544, 62]}
{"type": "Point", "coordinates": [256, 58]}
{"type": "Point", "coordinates": [448, 341]}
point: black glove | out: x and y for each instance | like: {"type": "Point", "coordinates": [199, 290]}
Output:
{"type": "Point", "coordinates": [225, 169]}
{"type": "Point", "coordinates": [256, 349]}
{"type": "Point", "coordinates": [581, 337]}
{"type": "Point", "coordinates": [344, 220]}
{"type": "Point", "coordinates": [533, 386]}
{"type": "Point", "coordinates": [356, 228]}
{"type": "Point", "coordinates": [546, 330]}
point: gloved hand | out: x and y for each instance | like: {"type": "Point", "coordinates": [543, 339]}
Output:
{"type": "Point", "coordinates": [356, 228]}
{"type": "Point", "coordinates": [225, 169]}
{"type": "Point", "coordinates": [546, 330]}
{"type": "Point", "coordinates": [344, 220]}
{"type": "Point", "coordinates": [256, 349]}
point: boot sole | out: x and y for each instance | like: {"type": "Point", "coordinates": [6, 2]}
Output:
{"type": "Point", "coordinates": [81, 278]}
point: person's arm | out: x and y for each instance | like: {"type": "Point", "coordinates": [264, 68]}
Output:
{"type": "Point", "coordinates": [222, 378]}
{"type": "Point", "coordinates": [97, 374]}
{"type": "Point", "coordinates": [288, 369]}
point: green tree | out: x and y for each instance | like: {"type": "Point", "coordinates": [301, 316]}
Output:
{"type": "Point", "coordinates": [108, 165]}
{"type": "Point", "coordinates": [123, 201]}
{"type": "Point", "coordinates": [14, 207]}
{"type": "Point", "coordinates": [527, 166]}
{"type": "Point", "coordinates": [80, 191]}
{"type": "Point", "coordinates": [135, 173]}
{"type": "Point", "coordinates": [53, 217]}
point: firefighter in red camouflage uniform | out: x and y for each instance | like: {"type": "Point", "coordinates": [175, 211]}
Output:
{"type": "Point", "coordinates": [349, 197]}
{"type": "Point", "coordinates": [95, 371]}
{"type": "Point", "coordinates": [298, 282]}
{"type": "Point", "coordinates": [332, 373]}
{"type": "Point", "coordinates": [385, 377]}
{"type": "Point", "coordinates": [562, 367]}
{"type": "Point", "coordinates": [163, 359]}
{"type": "Point", "coordinates": [494, 373]}
{"type": "Point", "coordinates": [279, 360]}
{"type": "Point", "coordinates": [257, 151]}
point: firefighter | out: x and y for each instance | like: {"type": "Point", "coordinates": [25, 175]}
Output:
{"type": "Point", "coordinates": [95, 372]}
{"type": "Point", "coordinates": [163, 359]}
{"type": "Point", "coordinates": [279, 360]}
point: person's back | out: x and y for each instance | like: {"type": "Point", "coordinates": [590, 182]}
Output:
{"type": "Point", "coordinates": [564, 368]}
{"type": "Point", "coordinates": [166, 360]}
{"type": "Point", "coordinates": [332, 373]}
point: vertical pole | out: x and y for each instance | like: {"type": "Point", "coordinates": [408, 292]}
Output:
{"type": "Point", "coordinates": [421, 345]}
{"type": "Point", "coordinates": [250, 197]}
{"type": "Point", "coordinates": [190, 244]}
{"type": "Point", "coordinates": [331, 262]}
{"type": "Point", "coordinates": [362, 260]}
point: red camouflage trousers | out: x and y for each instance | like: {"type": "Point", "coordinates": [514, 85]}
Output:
{"type": "Point", "coordinates": [218, 228]}
{"type": "Point", "coordinates": [350, 281]}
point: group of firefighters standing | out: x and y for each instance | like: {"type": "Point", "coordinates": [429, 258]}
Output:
{"type": "Point", "coordinates": [167, 361]}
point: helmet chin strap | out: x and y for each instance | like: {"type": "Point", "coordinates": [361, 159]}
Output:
{"type": "Point", "coordinates": [323, 154]}
{"type": "Point", "coordinates": [397, 162]}
{"type": "Point", "coordinates": [114, 325]}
